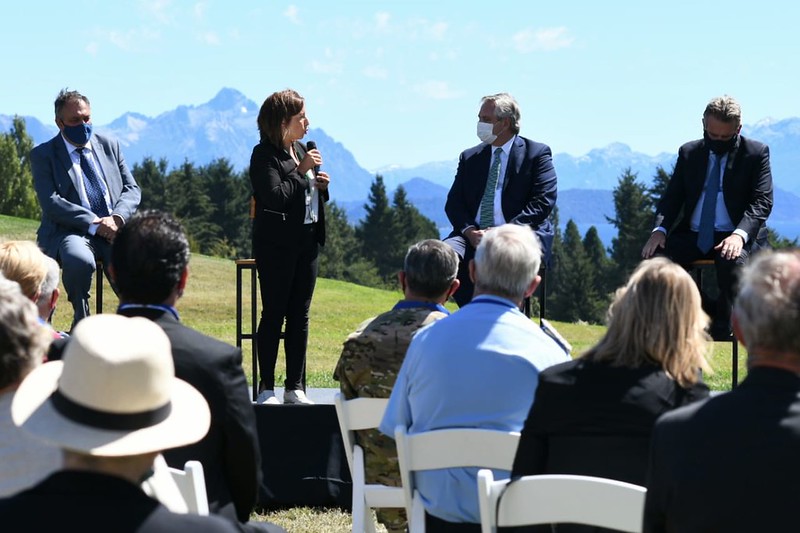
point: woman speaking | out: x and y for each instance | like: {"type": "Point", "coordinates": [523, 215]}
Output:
{"type": "Point", "coordinates": [289, 227]}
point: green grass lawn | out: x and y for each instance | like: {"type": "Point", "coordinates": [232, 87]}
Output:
{"type": "Point", "coordinates": [209, 305]}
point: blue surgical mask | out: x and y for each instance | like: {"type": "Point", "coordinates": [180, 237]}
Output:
{"type": "Point", "coordinates": [78, 135]}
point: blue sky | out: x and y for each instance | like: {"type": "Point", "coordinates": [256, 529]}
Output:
{"type": "Point", "coordinates": [399, 82]}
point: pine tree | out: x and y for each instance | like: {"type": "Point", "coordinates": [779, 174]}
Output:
{"type": "Point", "coordinates": [412, 226]}
{"type": "Point", "coordinates": [575, 297]}
{"type": "Point", "coordinates": [229, 192]}
{"type": "Point", "coordinates": [377, 233]}
{"type": "Point", "coordinates": [601, 264]}
{"type": "Point", "coordinates": [188, 200]}
{"type": "Point", "coordinates": [341, 258]}
{"type": "Point", "coordinates": [633, 219]}
{"type": "Point", "coordinates": [152, 180]}
{"type": "Point", "coordinates": [17, 197]}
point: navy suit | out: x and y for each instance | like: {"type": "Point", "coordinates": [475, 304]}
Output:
{"type": "Point", "coordinates": [64, 230]}
{"type": "Point", "coordinates": [528, 197]}
{"type": "Point", "coordinates": [747, 190]}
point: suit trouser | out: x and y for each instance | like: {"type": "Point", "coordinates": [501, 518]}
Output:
{"type": "Point", "coordinates": [681, 247]}
{"type": "Point", "coordinates": [78, 255]}
{"type": "Point", "coordinates": [287, 277]}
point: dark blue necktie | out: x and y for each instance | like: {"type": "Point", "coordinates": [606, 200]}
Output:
{"type": "Point", "coordinates": [94, 188]}
{"type": "Point", "coordinates": [705, 232]}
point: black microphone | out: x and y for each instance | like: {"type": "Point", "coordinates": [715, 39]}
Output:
{"type": "Point", "coordinates": [311, 145]}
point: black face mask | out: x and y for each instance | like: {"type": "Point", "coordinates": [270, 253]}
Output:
{"type": "Point", "coordinates": [720, 147]}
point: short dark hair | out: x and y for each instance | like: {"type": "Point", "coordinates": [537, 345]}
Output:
{"type": "Point", "coordinates": [65, 96]}
{"type": "Point", "coordinates": [149, 255]}
{"type": "Point", "coordinates": [430, 267]}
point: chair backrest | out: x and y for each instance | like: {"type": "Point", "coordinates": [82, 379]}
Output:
{"type": "Point", "coordinates": [449, 448]}
{"type": "Point", "coordinates": [561, 498]}
{"type": "Point", "coordinates": [192, 485]}
{"type": "Point", "coordinates": [357, 414]}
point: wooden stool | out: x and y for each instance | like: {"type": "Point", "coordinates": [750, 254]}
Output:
{"type": "Point", "coordinates": [695, 270]}
{"type": "Point", "coordinates": [241, 266]}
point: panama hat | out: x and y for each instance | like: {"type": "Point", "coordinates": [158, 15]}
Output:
{"type": "Point", "coordinates": [114, 393]}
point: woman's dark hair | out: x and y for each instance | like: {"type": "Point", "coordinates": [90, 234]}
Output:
{"type": "Point", "coordinates": [276, 110]}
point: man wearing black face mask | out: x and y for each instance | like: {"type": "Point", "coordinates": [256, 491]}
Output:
{"type": "Point", "coordinates": [86, 193]}
{"type": "Point", "coordinates": [722, 186]}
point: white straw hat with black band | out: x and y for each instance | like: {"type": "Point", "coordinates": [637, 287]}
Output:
{"type": "Point", "coordinates": [114, 393]}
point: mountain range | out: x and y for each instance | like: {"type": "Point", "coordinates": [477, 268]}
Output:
{"type": "Point", "coordinates": [225, 126]}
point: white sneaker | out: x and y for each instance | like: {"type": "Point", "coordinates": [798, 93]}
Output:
{"type": "Point", "coordinates": [296, 397]}
{"type": "Point", "coordinates": [267, 397]}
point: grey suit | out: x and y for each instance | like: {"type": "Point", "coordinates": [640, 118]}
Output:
{"type": "Point", "coordinates": [64, 231]}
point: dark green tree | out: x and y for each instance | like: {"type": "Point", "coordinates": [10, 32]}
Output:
{"type": "Point", "coordinates": [634, 220]}
{"type": "Point", "coordinates": [412, 226]}
{"type": "Point", "coordinates": [777, 241]}
{"type": "Point", "coordinates": [230, 193]}
{"type": "Point", "coordinates": [17, 197]}
{"type": "Point", "coordinates": [151, 176]}
{"type": "Point", "coordinates": [601, 264]}
{"type": "Point", "coordinates": [341, 257]}
{"type": "Point", "coordinates": [188, 200]}
{"type": "Point", "coordinates": [575, 297]}
{"type": "Point", "coordinates": [377, 233]}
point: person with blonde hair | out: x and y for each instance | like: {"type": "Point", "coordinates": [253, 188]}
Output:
{"type": "Point", "coordinates": [23, 262]}
{"type": "Point", "coordinates": [595, 415]}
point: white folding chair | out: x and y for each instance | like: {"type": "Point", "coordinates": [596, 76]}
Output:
{"type": "Point", "coordinates": [559, 498]}
{"type": "Point", "coordinates": [448, 448]}
{"type": "Point", "coordinates": [354, 415]}
{"type": "Point", "coordinates": [192, 485]}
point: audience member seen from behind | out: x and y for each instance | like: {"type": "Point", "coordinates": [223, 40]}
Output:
{"type": "Point", "coordinates": [475, 369]}
{"type": "Point", "coordinates": [151, 267]}
{"type": "Point", "coordinates": [731, 463]}
{"type": "Point", "coordinates": [505, 179]}
{"type": "Point", "coordinates": [24, 461]}
{"type": "Point", "coordinates": [111, 405]}
{"type": "Point", "coordinates": [716, 205]}
{"type": "Point", "coordinates": [372, 355]}
{"type": "Point", "coordinates": [289, 227]}
{"type": "Point", "coordinates": [24, 262]}
{"type": "Point", "coordinates": [86, 193]}
{"type": "Point", "coordinates": [594, 416]}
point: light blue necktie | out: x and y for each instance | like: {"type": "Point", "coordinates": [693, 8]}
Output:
{"type": "Point", "coordinates": [705, 232]}
{"type": "Point", "coordinates": [94, 189]}
{"type": "Point", "coordinates": [487, 202]}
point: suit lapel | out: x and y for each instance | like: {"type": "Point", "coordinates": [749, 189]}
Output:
{"type": "Point", "coordinates": [107, 167]}
{"type": "Point", "coordinates": [62, 154]}
{"type": "Point", "coordinates": [514, 161]}
{"type": "Point", "coordinates": [697, 178]}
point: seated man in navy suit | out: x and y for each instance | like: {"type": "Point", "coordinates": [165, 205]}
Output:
{"type": "Point", "coordinates": [86, 193]}
{"type": "Point", "coordinates": [505, 179]}
{"type": "Point", "coordinates": [716, 204]}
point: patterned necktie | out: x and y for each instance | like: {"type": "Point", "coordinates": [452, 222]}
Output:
{"type": "Point", "coordinates": [487, 202]}
{"type": "Point", "coordinates": [705, 232]}
{"type": "Point", "coordinates": [94, 188]}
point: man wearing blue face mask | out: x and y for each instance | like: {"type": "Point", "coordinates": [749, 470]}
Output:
{"type": "Point", "coordinates": [86, 193]}
{"type": "Point", "coordinates": [722, 189]}
{"type": "Point", "coordinates": [505, 179]}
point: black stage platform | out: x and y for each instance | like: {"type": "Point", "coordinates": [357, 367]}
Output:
{"type": "Point", "coordinates": [302, 455]}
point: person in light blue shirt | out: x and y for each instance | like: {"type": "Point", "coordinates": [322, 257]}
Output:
{"type": "Point", "coordinates": [476, 368]}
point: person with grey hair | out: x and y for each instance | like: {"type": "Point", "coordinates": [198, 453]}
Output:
{"type": "Point", "coordinates": [731, 463]}
{"type": "Point", "coordinates": [372, 355]}
{"type": "Point", "coordinates": [86, 193]}
{"type": "Point", "coordinates": [721, 188]}
{"type": "Point", "coordinates": [48, 291]}
{"type": "Point", "coordinates": [24, 461]}
{"type": "Point", "coordinates": [477, 368]}
{"type": "Point", "coordinates": [505, 179]}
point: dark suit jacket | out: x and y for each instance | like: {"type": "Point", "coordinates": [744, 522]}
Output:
{"type": "Point", "coordinates": [746, 187]}
{"type": "Point", "coordinates": [731, 463]}
{"type": "Point", "coordinates": [595, 419]}
{"type": "Point", "coordinates": [279, 191]}
{"type": "Point", "coordinates": [89, 502]}
{"type": "Point", "coordinates": [529, 190]}
{"type": "Point", "coordinates": [56, 185]}
{"type": "Point", "coordinates": [229, 452]}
